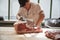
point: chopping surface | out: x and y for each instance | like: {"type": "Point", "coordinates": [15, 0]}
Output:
{"type": "Point", "coordinates": [8, 33]}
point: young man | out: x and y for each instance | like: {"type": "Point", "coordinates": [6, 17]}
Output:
{"type": "Point", "coordinates": [30, 11]}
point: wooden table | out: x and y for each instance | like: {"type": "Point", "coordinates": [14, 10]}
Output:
{"type": "Point", "coordinates": [8, 33]}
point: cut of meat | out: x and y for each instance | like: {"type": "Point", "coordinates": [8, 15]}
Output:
{"type": "Point", "coordinates": [22, 28]}
{"type": "Point", "coordinates": [52, 35]}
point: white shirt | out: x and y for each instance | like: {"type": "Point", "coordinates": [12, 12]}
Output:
{"type": "Point", "coordinates": [33, 12]}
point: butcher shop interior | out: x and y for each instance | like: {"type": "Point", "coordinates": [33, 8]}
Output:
{"type": "Point", "coordinates": [29, 19]}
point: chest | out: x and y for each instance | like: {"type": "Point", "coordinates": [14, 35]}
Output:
{"type": "Point", "coordinates": [30, 13]}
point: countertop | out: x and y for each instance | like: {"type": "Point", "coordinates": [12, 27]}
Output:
{"type": "Point", "coordinates": [8, 33]}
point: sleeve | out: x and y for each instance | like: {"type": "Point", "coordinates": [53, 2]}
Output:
{"type": "Point", "coordinates": [18, 16]}
{"type": "Point", "coordinates": [39, 9]}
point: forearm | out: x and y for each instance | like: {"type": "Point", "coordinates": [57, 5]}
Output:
{"type": "Point", "coordinates": [18, 16]}
{"type": "Point", "coordinates": [40, 19]}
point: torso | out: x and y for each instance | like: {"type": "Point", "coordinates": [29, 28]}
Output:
{"type": "Point", "coordinates": [33, 12]}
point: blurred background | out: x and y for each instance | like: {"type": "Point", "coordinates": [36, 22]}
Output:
{"type": "Point", "coordinates": [9, 8]}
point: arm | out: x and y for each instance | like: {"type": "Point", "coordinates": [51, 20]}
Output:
{"type": "Point", "coordinates": [40, 19]}
{"type": "Point", "coordinates": [18, 16]}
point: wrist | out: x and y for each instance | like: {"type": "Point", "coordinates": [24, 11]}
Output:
{"type": "Point", "coordinates": [38, 24]}
{"type": "Point", "coordinates": [19, 17]}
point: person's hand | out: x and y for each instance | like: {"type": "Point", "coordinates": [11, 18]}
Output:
{"type": "Point", "coordinates": [30, 23]}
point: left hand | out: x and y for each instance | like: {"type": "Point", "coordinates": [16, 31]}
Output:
{"type": "Point", "coordinates": [30, 23]}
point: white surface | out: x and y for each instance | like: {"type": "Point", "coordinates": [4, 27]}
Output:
{"type": "Point", "coordinates": [8, 33]}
